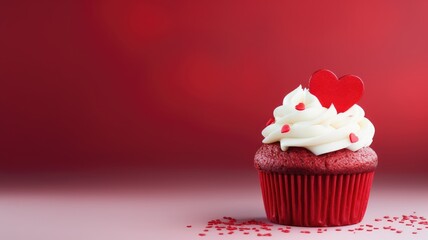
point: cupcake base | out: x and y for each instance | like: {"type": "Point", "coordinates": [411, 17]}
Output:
{"type": "Point", "coordinates": [315, 200]}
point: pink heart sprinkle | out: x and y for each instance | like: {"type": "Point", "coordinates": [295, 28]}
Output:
{"type": "Point", "coordinates": [353, 138]}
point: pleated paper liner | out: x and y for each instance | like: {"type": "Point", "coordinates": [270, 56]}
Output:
{"type": "Point", "coordinates": [315, 200]}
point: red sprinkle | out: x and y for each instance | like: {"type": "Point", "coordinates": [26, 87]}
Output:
{"type": "Point", "coordinates": [262, 229]}
{"type": "Point", "coordinates": [189, 226]}
{"type": "Point", "coordinates": [353, 138]}
{"type": "Point", "coordinates": [300, 107]}
{"type": "Point", "coordinates": [285, 128]}
{"type": "Point", "coordinates": [270, 121]}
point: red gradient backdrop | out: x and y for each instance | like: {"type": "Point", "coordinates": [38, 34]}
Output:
{"type": "Point", "coordinates": [116, 85]}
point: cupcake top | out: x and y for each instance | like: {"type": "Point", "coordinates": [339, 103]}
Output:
{"type": "Point", "coordinates": [296, 160]}
{"type": "Point", "coordinates": [322, 119]}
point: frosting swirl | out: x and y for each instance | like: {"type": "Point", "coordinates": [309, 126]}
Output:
{"type": "Point", "coordinates": [316, 128]}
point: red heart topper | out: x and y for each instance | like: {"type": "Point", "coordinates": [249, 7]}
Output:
{"type": "Point", "coordinates": [343, 93]}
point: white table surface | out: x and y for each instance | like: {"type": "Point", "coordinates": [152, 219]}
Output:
{"type": "Point", "coordinates": [149, 207]}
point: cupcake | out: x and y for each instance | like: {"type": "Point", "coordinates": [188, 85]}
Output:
{"type": "Point", "coordinates": [315, 165]}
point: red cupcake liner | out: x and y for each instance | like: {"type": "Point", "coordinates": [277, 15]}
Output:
{"type": "Point", "coordinates": [315, 200]}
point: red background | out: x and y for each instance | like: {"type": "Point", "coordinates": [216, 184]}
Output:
{"type": "Point", "coordinates": [121, 85]}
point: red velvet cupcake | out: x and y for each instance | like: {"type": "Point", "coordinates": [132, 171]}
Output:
{"type": "Point", "coordinates": [316, 167]}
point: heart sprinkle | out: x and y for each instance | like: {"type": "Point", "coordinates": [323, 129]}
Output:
{"type": "Point", "coordinates": [353, 138]}
{"type": "Point", "coordinates": [300, 107]}
{"type": "Point", "coordinates": [270, 121]}
{"type": "Point", "coordinates": [285, 128]}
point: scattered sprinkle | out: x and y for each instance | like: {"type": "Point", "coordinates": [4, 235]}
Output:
{"type": "Point", "coordinates": [353, 138]}
{"type": "Point", "coordinates": [300, 107]}
{"type": "Point", "coordinates": [254, 227]}
{"type": "Point", "coordinates": [270, 121]}
{"type": "Point", "coordinates": [285, 128]}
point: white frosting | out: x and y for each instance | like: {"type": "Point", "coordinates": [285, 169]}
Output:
{"type": "Point", "coordinates": [316, 128]}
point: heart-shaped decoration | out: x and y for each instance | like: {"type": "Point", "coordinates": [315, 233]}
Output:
{"type": "Point", "coordinates": [353, 138]}
{"type": "Point", "coordinates": [343, 93]}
